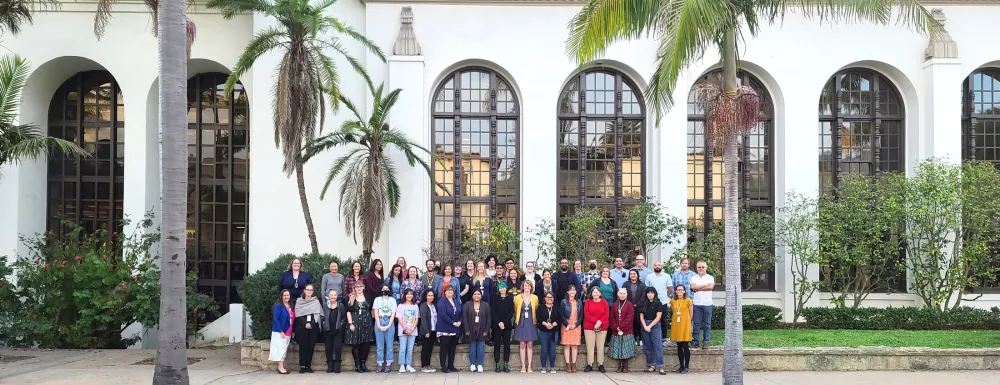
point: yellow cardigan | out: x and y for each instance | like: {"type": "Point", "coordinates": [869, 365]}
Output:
{"type": "Point", "coordinates": [518, 301]}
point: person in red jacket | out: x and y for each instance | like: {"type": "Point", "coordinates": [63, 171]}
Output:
{"type": "Point", "coordinates": [622, 334]}
{"type": "Point", "coordinates": [595, 328]}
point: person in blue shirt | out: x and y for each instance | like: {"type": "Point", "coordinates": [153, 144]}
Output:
{"type": "Point", "coordinates": [619, 274]}
{"type": "Point", "coordinates": [449, 323]}
{"type": "Point", "coordinates": [683, 276]}
{"type": "Point", "coordinates": [294, 280]}
{"type": "Point", "coordinates": [639, 264]}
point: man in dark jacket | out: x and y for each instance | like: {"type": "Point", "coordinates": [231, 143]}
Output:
{"type": "Point", "coordinates": [564, 278]}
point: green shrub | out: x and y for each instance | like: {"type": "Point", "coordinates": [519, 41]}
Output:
{"type": "Point", "coordinates": [259, 290]}
{"type": "Point", "coordinates": [902, 318]}
{"type": "Point", "coordinates": [755, 317]}
{"type": "Point", "coordinates": [80, 290]}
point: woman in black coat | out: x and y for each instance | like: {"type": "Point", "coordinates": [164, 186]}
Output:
{"type": "Point", "coordinates": [502, 311]}
{"type": "Point", "coordinates": [427, 329]}
{"type": "Point", "coordinates": [636, 295]}
{"type": "Point", "coordinates": [334, 321]}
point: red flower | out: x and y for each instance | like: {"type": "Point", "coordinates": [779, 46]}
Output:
{"type": "Point", "coordinates": [114, 233]}
{"type": "Point", "coordinates": [151, 260]}
{"type": "Point", "coordinates": [206, 296]}
{"type": "Point", "coordinates": [91, 235]}
{"type": "Point", "coordinates": [104, 257]}
{"type": "Point", "coordinates": [50, 233]}
{"type": "Point", "coordinates": [135, 277]}
{"type": "Point", "coordinates": [196, 310]}
{"type": "Point", "coordinates": [63, 265]}
{"type": "Point", "coordinates": [78, 257]}
{"type": "Point", "coordinates": [112, 266]}
{"type": "Point", "coordinates": [38, 261]}
{"type": "Point", "coordinates": [46, 265]}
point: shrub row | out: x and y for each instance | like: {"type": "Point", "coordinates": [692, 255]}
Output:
{"type": "Point", "coordinates": [905, 318]}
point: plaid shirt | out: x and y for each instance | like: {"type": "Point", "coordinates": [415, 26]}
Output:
{"type": "Point", "coordinates": [682, 278]}
{"type": "Point", "coordinates": [588, 278]}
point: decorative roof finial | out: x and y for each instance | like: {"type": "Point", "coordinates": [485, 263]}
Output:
{"type": "Point", "coordinates": [942, 45]}
{"type": "Point", "coordinates": [406, 41]}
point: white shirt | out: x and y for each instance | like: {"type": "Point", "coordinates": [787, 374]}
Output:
{"type": "Point", "coordinates": [702, 297]}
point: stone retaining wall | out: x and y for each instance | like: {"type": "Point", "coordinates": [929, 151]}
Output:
{"type": "Point", "coordinates": [255, 353]}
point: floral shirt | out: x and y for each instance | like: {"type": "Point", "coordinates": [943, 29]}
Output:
{"type": "Point", "coordinates": [417, 286]}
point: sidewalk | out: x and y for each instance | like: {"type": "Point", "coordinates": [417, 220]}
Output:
{"type": "Point", "coordinates": [221, 366]}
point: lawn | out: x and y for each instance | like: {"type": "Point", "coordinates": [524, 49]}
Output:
{"type": "Point", "coordinates": [855, 338]}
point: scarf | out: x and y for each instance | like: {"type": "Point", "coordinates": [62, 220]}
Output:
{"type": "Point", "coordinates": [304, 307]}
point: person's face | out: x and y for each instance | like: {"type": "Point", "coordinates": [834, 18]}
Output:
{"type": "Point", "coordinates": [429, 296]}
{"type": "Point", "coordinates": [509, 264]}
{"type": "Point", "coordinates": [411, 272]}
{"type": "Point", "coordinates": [332, 296]}
{"type": "Point", "coordinates": [526, 287]}
{"type": "Point", "coordinates": [286, 297]}
{"type": "Point", "coordinates": [622, 295]}
{"type": "Point", "coordinates": [470, 266]}
{"type": "Point", "coordinates": [333, 267]}
{"type": "Point", "coordinates": [605, 273]}
{"type": "Point", "coordinates": [619, 263]}
{"type": "Point", "coordinates": [657, 267]}
{"type": "Point", "coordinates": [595, 294]}
{"type": "Point", "coordinates": [685, 264]}
{"type": "Point", "coordinates": [397, 271]}
{"type": "Point", "coordinates": [481, 268]}
{"type": "Point", "coordinates": [447, 270]}
{"type": "Point", "coordinates": [491, 263]}
{"type": "Point", "coordinates": [308, 291]}
{"type": "Point", "coordinates": [477, 296]}
{"type": "Point", "coordinates": [640, 261]}
{"type": "Point", "coordinates": [501, 272]}
{"type": "Point", "coordinates": [429, 265]}
{"type": "Point", "coordinates": [437, 264]}
{"type": "Point", "coordinates": [385, 290]}
{"type": "Point", "coordinates": [578, 265]}
{"type": "Point", "coordinates": [530, 267]}
{"type": "Point", "coordinates": [571, 292]}
{"type": "Point", "coordinates": [356, 268]}
{"type": "Point", "coordinates": [401, 261]}
{"type": "Point", "coordinates": [549, 299]}
{"type": "Point", "coordinates": [547, 276]}
{"type": "Point", "coordinates": [359, 289]}
{"type": "Point", "coordinates": [564, 264]}
{"type": "Point", "coordinates": [409, 297]}
{"type": "Point", "coordinates": [458, 270]}
{"type": "Point", "coordinates": [502, 290]}
{"type": "Point", "coordinates": [378, 265]}
{"type": "Point", "coordinates": [679, 290]}
{"type": "Point", "coordinates": [296, 265]}
{"type": "Point", "coordinates": [650, 295]}
{"type": "Point", "coordinates": [449, 293]}
{"type": "Point", "coordinates": [702, 267]}
{"type": "Point", "coordinates": [593, 264]}
{"type": "Point", "coordinates": [512, 274]}
{"type": "Point", "coordinates": [633, 276]}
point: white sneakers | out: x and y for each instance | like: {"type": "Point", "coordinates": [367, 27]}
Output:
{"type": "Point", "coordinates": [472, 368]}
{"type": "Point", "coordinates": [544, 370]}
{"type": "Point", "coordinates": [428, 369]}
{"type": "Point", "coordinates": [409, 368]}
{"type": "Point", "coordinates": [479, 368]}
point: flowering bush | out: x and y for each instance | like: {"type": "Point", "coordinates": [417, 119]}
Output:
{"type": "Point", "coordinates": [81, 290]}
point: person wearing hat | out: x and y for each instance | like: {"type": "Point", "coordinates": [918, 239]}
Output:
{"type": "Point", "coordinates": [502, 311]}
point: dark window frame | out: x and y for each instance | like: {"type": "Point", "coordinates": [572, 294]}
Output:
{"type": "Point", "coordinates": [216, 183]}
{"type": "Point", "coordinates": [568, 204]}
{"type": "Point", "coordinates": [457, 179]}
{"type": "Point", "coordinates": [971, 138]}
{"type": "Point", "coordinates": [766, 279]}
{"type": "Point", "coordinates": [65, 114]}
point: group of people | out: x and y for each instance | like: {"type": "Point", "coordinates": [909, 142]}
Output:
{"type": "Point", "coordinates": [610, 310]}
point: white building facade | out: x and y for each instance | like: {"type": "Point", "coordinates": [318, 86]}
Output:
{"type": "Point", "coordinates": [489, 83]}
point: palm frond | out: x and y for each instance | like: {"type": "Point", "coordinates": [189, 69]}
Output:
{"type": "Point", "coordinates": [336, 168]}
{"type": "Point", "coordinates": [603, 22]}
{"type": "Point", "coordinates": [102, 17]}
{"type": "Point", "coordinates": [232, 8]}
{"type": "Point", "coordinates": [328, 77]}
{"type": "Point", "coordinates": [28, 142]}
{"type": "Point", "coordinates": [350, 106]}
{"type": "Point", "coordinates": [326, 142]}
{"type": "Point", "coordinates": [294, 104]}
{"type": "Point", "coordinates": [909, 13]}
{"type": "Point", "coordinates": [15, 14]}
{"type": "Point", "coordinates": [355, 64]}
{"type": "Point", "coordinates": [392, 189]}
{"type": "Point", "coordinates": [351, 185]}
{"type": "Point", "coordinates": [380, 112]}
{"type": "Point", "coordinates": [13, 74]}
{"type": "Point", "coordinates": [690, 27]}
{"type": "Point", "coordinates": [261, 43]}
{"type": "Point", "coordinates": [357, 36]}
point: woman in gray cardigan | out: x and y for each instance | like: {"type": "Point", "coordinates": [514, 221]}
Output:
{"type": "Point", "coordinates": [427, 328]}
{"type": "Point", "coordinates": [476, 324]}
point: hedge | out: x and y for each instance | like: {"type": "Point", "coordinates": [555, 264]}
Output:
{"type": "Point", "coordinates": [902, 318]}
{"type": "Point", "coordinates": [259, 290]}
{"type": "Point", "coordinates": [755, 317]}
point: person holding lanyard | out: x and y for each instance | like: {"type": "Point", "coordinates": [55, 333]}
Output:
{"type": "Point", "coordinates": [449, 324]}
{"type": "Point", "coordinates": [525, 331]}
{"type": "Point", "coordinates": [476, 324]}
{"type": "Point", "coordinates": [502, 309]}
{"type": "Point", "coordinates": [548, 327]}
{"type": "Point", "coordinates": [428, 329]}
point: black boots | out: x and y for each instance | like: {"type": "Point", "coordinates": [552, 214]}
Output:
{"type": "Point", "coordinates": [336, 366]}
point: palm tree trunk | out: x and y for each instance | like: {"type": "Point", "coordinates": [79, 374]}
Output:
{"type": "Point", "coordinates": [300, 180]}
{"type": "Point", "coordinates": [171, 354]}
{"type": "Point", "coordinates": [732, 364]}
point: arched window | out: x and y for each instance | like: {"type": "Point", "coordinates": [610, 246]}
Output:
{"type": "Point", "coordinates": [706, 174]}
{"type": "Point", "coordinates": [861, 132]}
{"type": "Point", "coordinates": [475, 117]}
{"type": "Point", "coordinates": [601, 135]}
{"type": "Point", "coordinates": [88, 109]}
{"type": "Point", "coordinates": [218, 185]}
{"type": "Point", "coordinates": [981, 116]}
{"type": "Point", "coordinates": [860, 126]}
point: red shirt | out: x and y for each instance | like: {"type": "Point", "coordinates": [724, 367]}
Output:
{"type": "Point", "coordinates": [622, 322]}
{"type": "Point", "coordinates": [593, 312]}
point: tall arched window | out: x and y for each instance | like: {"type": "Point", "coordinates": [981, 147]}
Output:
{"type": "Point", "coordinates": [475, 117]}
{"type": "Point", "coordinates": [706, 174]}
{"type": "Point", "coordinates": [860, 126]}
{"type": "Point", "coordinates": [601, 135]}
{"type": "Point", "coordinates": [861, 132]}
{"type": "Point", "coordinates": [981, 116]}
{"type": "Point", "coordinates": [981, 132]}
{"type": "Point", "coordinates": [218, 185]}
{"type": "Point", "coordinates": [88, 109]}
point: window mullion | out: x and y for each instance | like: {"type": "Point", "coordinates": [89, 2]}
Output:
{"type": "Point", "coordinates": [494, 164]}
{"type": "Point", "coordinates": [835, 134]}
{"type": "Point", "coordinates": [456, 223]}
{"type": "Point", "coordinates": [581, 141]}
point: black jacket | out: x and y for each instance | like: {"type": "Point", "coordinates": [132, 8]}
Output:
{"type": "Point", "coordinates": [542, 315]}
{"type": "Point", "coordinates": [640, 291]}
{"type": "Point", "coordinates": [334, 319]}
{"type": "Point", "coordinates": [540, 291]}
{"type": "Point", "coordinates": [424, 324]}
{"type": "Point", "coordinates": [469, 318]}
{"type": "Point", "coordinates": [502, 310]}
{"type": "Point", "coordinates": [597, 284]}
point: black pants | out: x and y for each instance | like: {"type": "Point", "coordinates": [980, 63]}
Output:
{"type": "Point", "coordinates": [307, 339]}
{"type": "Point", "coordinates": [360, 353]}
{"type": "Point", "coordinates": [448, 344]}
{"type": "Point", "coordinates": [426, 348]}
{"type": "Point", "coordinates": [684, 354]}
{"type": "Point", "coordinates": [334, 341]}
{"type": "Point", "coordinates": [501, 341]}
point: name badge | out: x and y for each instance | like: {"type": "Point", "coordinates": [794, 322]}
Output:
{"type": "Point", "coordinates": [309, 318]}
{"type": "Point", "coordinates": [477, 319]}
{"type": "Point", "coordinates": [525, 314]}
{"type": "Point", "coordinates": [678, 318]}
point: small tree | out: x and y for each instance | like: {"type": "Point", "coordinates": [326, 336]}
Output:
{"type": "Point", "coordinates": [756, 246]}
{"type": "Point", "coordinates": [582, 236]}
{"type": "Point", "coordinates": [860, 236]}
{"type": "Point", "coordinates": [495, 236]}
{"type": "Point", "coordinates": [649, 226]}
{"type": "Point", "coordinates": [543, 237]}
{"type": "Point", "coordinates": [796, 231]}
{"type": "Point", "coordinates": [951, 217]}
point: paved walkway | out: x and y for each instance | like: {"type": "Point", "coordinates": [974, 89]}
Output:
{"type": "Point", "coordinates": [221, 366]}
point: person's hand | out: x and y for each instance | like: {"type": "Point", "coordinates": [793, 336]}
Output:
{"type": "Point", "coordinates": [467, 334]}
{"type": "Point", "coordinates": [309, 326]}
{"type": "Point", "coordinates": [484, 334]}
{"type": "Point", "coordinates": [428, 335]}
{"type": "Point", "coordinates": [352, 327]}
{"type": "Point", "coordinates": [457, 324]}
{"type": "Point", "coordinates": [501, 326]}
{"type": "Point", "coordinates": [598, 324]}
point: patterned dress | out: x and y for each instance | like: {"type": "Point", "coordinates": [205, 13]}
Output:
{"type": "Point", "coordinates": [526, 329]}
{"type": "Point", "coordinates": [364, 325]}
{"type": "Point", "coordinates": [571, 337]}
{"type": "Point", "coordinates": [622, 346]}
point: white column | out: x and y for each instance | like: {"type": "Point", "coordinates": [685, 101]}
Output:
{"type": "Point", "coordinates": [672, 163]}
{"type": "Point", "coordinates": [409, 232]}
{"type": "Point", "coordinates": [942, 106]}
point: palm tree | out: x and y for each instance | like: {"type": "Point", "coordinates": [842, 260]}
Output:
{"type": "Point", "coordinates": [103, 17]}
{"type": "Point", "coordinates": [16, 13]}
{"type": "Point", "coordinates": [22, 141]}
{"type": "Point", "coordinates": [368, 183]}
{"type": "Point", "coordinates": [686, 29]}
{"type": "Point", "coordinates": [171, 353]}
{"type": "Point", "coordinates": [306, 72]}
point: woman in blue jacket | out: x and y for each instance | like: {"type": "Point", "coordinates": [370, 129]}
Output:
{"type": "Point", "coordinates": [294, 280]}
{"type": "Point", "coordinates": [449, 323]}
{"type": "Point", "coordinates": [281, 329]}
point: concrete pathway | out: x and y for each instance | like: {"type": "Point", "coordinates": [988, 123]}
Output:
{"type": "Point", "coordinates": [221, 366]}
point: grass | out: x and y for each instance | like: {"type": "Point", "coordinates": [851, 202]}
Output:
{"type": "Point", "coordinates": [856, 338]}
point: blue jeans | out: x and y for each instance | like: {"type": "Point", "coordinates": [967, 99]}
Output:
{"type": "Point", "coordinates": [383, 344]}
{"type": "Point", "coordinates": [477, 352]}
{"type": "Point", "coordinates": [406, 349]}
{"type": "Point", "coordinates": [548, 348]}
{"type": "Point", "coordinates": [702, 318]}
{"type": "Point", "coordinates": [652, 347]}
